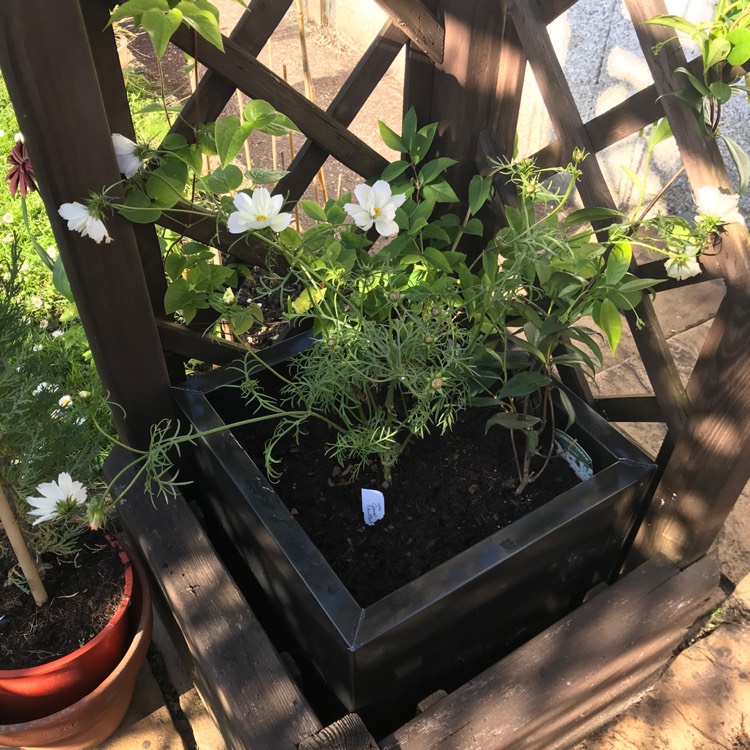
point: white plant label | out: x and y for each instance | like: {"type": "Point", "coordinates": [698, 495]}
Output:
{"type": "Point", "coordinates": [574, 455]}
{"type": "Point", "coordinates": [373, 506]}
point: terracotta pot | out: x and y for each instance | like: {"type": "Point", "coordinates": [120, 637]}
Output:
{"type": "Point", "coordinates": [88, 721]}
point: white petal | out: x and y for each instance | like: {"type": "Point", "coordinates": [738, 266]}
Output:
{"type": "Point", "coordinates": [363, 219]}
{"type": "Point", "coordinates": [277, 202]}
{"type": "Point", "coordinates": [243, 202]}
{"type": "Point", "coordinates": [123, 146]}
{"type": "Point", "coordinates": [385, 227]}
{"type": "Point", "coordinates": [398, 199]}
{"type": "Point", "coordinates": [237, 223]}
{"type": "Point", "coordinates": [262, 201]}
{"type": "Point", "coordinates": [280, 222]}
{"type": "Point", "coordinates": [381, 193]}
{"type": "Point", "coordinates": [363, 194]}
{"type": "Point", "coordinates": [76, 214]}
{"type": "Point", "coordinates": [96, 230]}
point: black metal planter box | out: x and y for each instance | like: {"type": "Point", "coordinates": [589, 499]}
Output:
{"type": "Point", "coordinates": [440, 629]}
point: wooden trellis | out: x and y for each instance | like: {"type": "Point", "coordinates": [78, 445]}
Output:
{"type": "Point", "coordinates": [465, 67]}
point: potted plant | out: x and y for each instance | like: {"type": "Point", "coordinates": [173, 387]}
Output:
{"type": "Point", "coordinates": [74, 608]}
{"type": "Point", "coordinates": [408, 331]}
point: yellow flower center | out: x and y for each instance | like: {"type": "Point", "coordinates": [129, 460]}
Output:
{"type": "Point", "coordinates": [376, 212]}
{"type": "Point", "coordinates": [261, 217]}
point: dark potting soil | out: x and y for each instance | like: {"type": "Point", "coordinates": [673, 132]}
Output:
{"type": "Point", "coordinates": [447, 493]}
{"type": "Point", "coordinates": [84, 593]}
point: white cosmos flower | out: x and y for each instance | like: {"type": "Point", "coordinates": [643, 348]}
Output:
{"type": "Point", "coordinates": [377, 205]}
{"type": "Point", "coordinates": [81, 220]}
{"type": "Point", "coordinates": [64, 490]}
{"type": "Point", "coordinates": [64, 401]}
{"type": "Point", "coordinates": [723, 208]}
{"type": "Point", "coordinates": [36, 302]}
{"type": "Point", "coordinates": [43, 323]}
{"type": "Point", "coordinates": [128, 155]}
{"type": "Point", "coordinates": [684, 265]}
{"type": "Point", "coordinates": [56, 333]}
{"type": "Point", "coordinates": [257, 212]}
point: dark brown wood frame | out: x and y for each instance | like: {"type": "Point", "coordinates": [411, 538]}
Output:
{"type": "Point", "coordinates": [64, 79]}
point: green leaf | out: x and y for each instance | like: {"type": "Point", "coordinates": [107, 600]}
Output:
{"type": "Point", "coordinates": [166, 184]}
{"type": "Point", "coordinates": [60, 279]}
{"type": "Point", "coordinates": [139, 208]}
{"type": "Point", "coordinates": [591, 214]}
{"type": "Point", "coordinates": [201, 18]}
{"type": "Point", "coordinates": [230, 136]}
{"type": "Point", "coordinates": [675, 22]}
{"type": "Point", "coordinates": [394, 169]}
{"type": "Point", "coordinates": [718, 49]}
{"type": "Point", "coordinates": [423, 141]}
{"type": "Point", "coordinates": [260, 176]}
{"type": "Point", "coordinates": [474, 227]}
{"type": "Point", "coordinates": [259, 113]}
{"type": "Point", "coordinates": [722, 91]}
{"type": "Point", "coordinates": [741, 161]}
{"type": "Point", "coordinates": [179, 293]}
{"type": "Point", "coordinates": [740, 40]}
{"type": "Point", "coordinates": [136, 8]}
{"type": "Point", "coordinates": [174, 265]}
{"type": "Point", "coordinates": [160, 27]}
{"type": "Point", "coordinates": [281, 125]}
{"type": "Point", "coordinates": [314, 210]}
{"type": "Point", "coordinates": [432, 169]}
{"type": "Point", "coordinates": [306, 299]}
{"type": "Point", "coordinates": [690, 97]}
{"type": "Point", "coordinates": [440, 192]}
{"type": "Point", "coordinates": [618, 262]}
{"type": "Point", "coordinates": [242, 319]}
{"type": "Point", "coordinates": [511, 421]}
{"type": "Point", "coordinates": [173, 141]}
{"type": "Point", "coordinates": [435, 258]}
{"type": "Point", "coordinates": [610, 322]}
{"type": "Point", "coordinates": [522, 384]}
{"type": "Point", "coordinates": [479, 192]}
{"type": "Point", "coordinates": [698, 85]}
{"type": "Point", "coordinates": [223, 179]}
{"type": "Point", "coordinates": [390, 138]}
{"type": "Point", "coordinates": [409, 129]}
{"type": "Point", "coordinates": [660, 132]}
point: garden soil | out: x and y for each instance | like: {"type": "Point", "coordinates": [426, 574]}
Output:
{"type": "Point", "coordinates": [711, 676]}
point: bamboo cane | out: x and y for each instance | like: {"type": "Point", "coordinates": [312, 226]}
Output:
{"type": "Point", "coordinates": [21, 551]}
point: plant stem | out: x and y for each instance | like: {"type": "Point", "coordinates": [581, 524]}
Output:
{"type": "Point", "coordinates": [21, 551]}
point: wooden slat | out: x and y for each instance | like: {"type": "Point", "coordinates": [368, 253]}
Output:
{"type": "Point", "coordinates": [254, 701]}
{"type": "Point", "coordinates": [255, 80]}
{"type": "Point", "coordinates": [628, 117]}
{"type": "Point", "coordinates": [636, 408]}
{"type": "Point", "coordinates": [416, 20]}
{"type": "Point", "coordinates": [710, 463]}
{"type": "Point", "coordinates": [594, 191]}
{"type": "Point", "coordinates": [191, 344]}
{"type": "Point", "coordinates": [344, 107]}
{"type": "Point", "coordinates": [115, 98]}
{"type": "Point", "coordinates": [551, 9]}
{"type": "Point", "coordinates": [503, 124]}
{"type": "Point", "coordinates": [208, 100]}
{"type": "Point", "coordinates": [348, 733]}
{"type": "Point", "coordinates": [48, 68]}
{"type": "Point", "coordinates": [573, 677]}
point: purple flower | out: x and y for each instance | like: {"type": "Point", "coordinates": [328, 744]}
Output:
{"type": "Point", "coordinates": [21, 176]}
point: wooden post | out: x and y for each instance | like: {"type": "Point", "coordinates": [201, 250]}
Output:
{"type": "Point", "coordinates": [54, 88]}
{"type": "Point", "coordinates": [710, 463]}
{"type": "Point", "coordinates": [463, 85]}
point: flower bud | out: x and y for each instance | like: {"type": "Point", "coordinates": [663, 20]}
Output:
{"type": "Point", "coordinates": [228, 297]}
{"type": "Point", "coordinates": [437, 384]}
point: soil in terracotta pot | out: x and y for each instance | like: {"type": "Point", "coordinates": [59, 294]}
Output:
{"type": "Point", "coordinates": [447, 493]}
{"type": "Point", "coordinates": [84, 593]}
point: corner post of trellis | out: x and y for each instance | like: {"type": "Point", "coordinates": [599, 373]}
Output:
{"type": "Point", "coordinates": [710, 463]}
{"type": "Point", "coordinates": [51, 77]}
